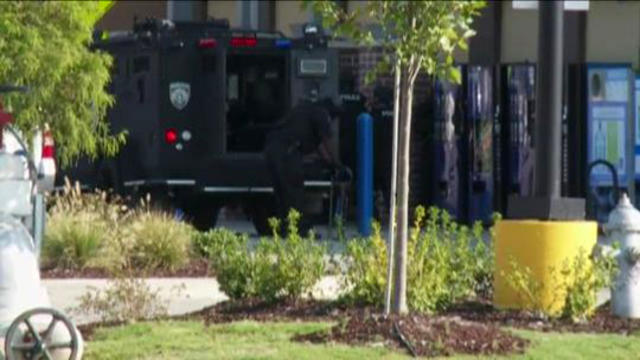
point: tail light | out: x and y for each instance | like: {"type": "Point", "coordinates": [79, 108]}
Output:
{"type": "Point", "coordinates": [171, 136]}
{"type": "Point", "coordinates": [48, 145]}
{"type": "Point", "coordinates": [207, 43]}
{"type": "Point", "coordinates": [243, 42]}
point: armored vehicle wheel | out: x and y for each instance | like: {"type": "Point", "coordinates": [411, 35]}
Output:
{"type": "Point", "coordinates": [43, 333]}
{"type": "Point", "coordinates": [203, 216]}
{"type": "Point", "coordinates": [260, 211]}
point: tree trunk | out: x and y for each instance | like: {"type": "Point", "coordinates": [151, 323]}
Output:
{"type": "Point", "coordinates": [393, 192]}
{"type": "Point", "coordinates": [408, 77]}
{"type": "Point", "coordinates": [400, 298]}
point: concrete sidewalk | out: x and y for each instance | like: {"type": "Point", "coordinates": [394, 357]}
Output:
{"type": "Point", "coordinates": [193, 294]}
{"type": "Point", "coordinates": [183, 295]}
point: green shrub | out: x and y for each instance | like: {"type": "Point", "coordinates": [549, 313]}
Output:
{"type": "Point", "coordinates": [204, 242]}
{"type": "Point", "coordinates": [124, 299]}
{"type": "Point", "coordinates": [232, 261]}
{"type": "Point", "coordinates": [278, 267]}
{"type": "Point", "coordinates": [72, 241]}
{"type": "Point", "coordinates": [155, 240]}
{"type": "Point", "coordinates": [589, 276]}
{"type": "Point", "coordinates": [78, 227]}
{"type": "Point", "coordinates": [529, 290]}
{"type": "Point", "coordinates": [484, 258]}
{"type": "Point", "coordinates": [98, 230]}
{"type": "Point", "coordinates": [366, 275]}
{"type": "Point", "coordinates": [582, 278]}
{"type": "Point", "coordinates": [288, 267]}
{"type": "Point", "coordinates": [446, 263]}
{"type": "Point", "coordinates": [442, 265]}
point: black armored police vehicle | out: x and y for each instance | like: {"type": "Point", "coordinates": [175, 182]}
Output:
{"type": "Point", "coordinates": [197, 101]}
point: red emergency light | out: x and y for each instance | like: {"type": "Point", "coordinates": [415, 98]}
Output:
{"type": "Point", "coordinates": [243, 42]}
{"type": "Point", "coordinates": [171, 136]}
{"type": "Point", "coordinates": [5, 119]}
{"type": "Point", "coordinates": [48, 145]}
{"type": "Point", "coordinates": [207, 43]}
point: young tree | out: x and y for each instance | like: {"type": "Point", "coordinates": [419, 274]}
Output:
{"type": "Point", "coordinates": [416, 36]}
{"type": "Point", "coordinates": [44, 45]}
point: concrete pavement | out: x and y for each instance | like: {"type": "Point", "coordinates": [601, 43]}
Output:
{"type": "Point", "coordinates": [182, 295]}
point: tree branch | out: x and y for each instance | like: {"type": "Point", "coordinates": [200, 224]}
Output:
{"type": "Point", "coordinates": [415, 70]}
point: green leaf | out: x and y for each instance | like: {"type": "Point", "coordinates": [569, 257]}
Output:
{"type": "Point", "coordinates": [445, 43]}
{"type": "Point", "coordinates": [454, 75]}
{"type": "Point", "coordinates": [449, 60]}
{"type": "Point", "coordinates": [469, 33]}
{"type": "Point", "coordinates": [462, 44]}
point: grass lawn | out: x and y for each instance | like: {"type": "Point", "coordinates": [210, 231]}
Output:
{"type": "Point", "coordinates": [190, 340]}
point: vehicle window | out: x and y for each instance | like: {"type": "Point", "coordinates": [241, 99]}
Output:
{"type": "Point", "coordinates": [256, 99]}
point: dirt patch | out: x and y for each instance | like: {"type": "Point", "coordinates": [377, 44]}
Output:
{"type": "Point", "coordinates": [601, 322]}
{"type": "Point", "coordinates": [422, 335]}
{"type": "Point", "coordinates": [195, 268]}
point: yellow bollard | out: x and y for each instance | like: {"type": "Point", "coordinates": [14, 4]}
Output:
{"type": "Point", "coordinates": [544, 247]}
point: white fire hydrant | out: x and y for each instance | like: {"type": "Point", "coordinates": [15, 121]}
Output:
{"type": "Point", "coordinates": [624, 227]}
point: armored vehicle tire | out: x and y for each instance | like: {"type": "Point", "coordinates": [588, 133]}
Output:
{"type": "Point", "coordinates": [202, 216]}
{"type": "Point", "coordinates": [260, 211]}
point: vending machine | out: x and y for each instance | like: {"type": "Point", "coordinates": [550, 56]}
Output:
{"type": "Point", "coordinates": [479, 144]}
{"type": "Point", "coordinates": [609, 133]}
{"type": "Point", "coordinates": [517, 118]}
{"type": "Point", "coordinates": [446, 134]}
{"type": "Point", "coordinates": [462, 145]}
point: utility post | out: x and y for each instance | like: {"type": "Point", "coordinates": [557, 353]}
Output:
{"type": "Point", "coordinates": [549, 101]}
{"type": "Point", "coordinates": [545, 230]}
{"type": "Point", "coordinates": [546, 202]}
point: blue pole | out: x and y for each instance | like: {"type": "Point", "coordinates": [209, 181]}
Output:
{"type": "Point", "coordinates": [365, 173]}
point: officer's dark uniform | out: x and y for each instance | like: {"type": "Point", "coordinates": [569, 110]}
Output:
{"type": "Point", "coordinates": [306, 126]}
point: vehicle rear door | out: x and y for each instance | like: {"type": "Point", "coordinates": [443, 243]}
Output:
{"type": "Point", "coordinates": [192, 105]}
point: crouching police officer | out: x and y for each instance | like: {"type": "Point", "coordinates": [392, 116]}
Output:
{"type": "Point", "coordinates": [306, 129]}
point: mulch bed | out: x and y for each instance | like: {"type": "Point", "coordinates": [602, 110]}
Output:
{"type": "Point", "coordinates": [601, 322]}
{"type": "Point", "coordinates": [195, 268]}
{"type": "Point", "coordinates": [256, 310]}
{"type": "Point", "coordinates": [474, 311]}
{"type": "Point", "coordinates": [422, 335]}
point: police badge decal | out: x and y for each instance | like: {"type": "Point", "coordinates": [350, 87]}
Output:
{"type": "Point", "coordinates": [179, 93]}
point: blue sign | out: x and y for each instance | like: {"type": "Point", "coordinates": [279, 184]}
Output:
{"type": "Point", "coordinates": [608, 100]}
